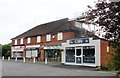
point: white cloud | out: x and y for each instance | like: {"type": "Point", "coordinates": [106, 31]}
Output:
{"type": "Point", "coordinates": [17, 16]}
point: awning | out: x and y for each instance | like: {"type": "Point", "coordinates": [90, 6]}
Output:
{"type": "Point", "coordinates": [53, 47]}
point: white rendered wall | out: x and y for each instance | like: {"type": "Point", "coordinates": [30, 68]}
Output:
{"type": "Point", "coordinates": [92, 42]}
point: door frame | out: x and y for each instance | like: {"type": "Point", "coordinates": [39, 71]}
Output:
{"type": "Point", "coordinates": [79, 47]}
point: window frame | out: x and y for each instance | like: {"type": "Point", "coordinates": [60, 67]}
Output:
{"type": "Point", "coordinates": [48, 37]}
{"type": "Point", "coordinates": [15, 43]}
{"type": "Point", "coordinates": [28, 40]}
{"type": "Point", "coordinates": [60, 36]}
{"type": "Point", "coordinates": [38, 39]}
{"type": "Point", "coordinates": [21, 41]}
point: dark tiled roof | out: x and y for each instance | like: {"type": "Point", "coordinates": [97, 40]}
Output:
{"type": "Point", "coordinates": [48, 28]}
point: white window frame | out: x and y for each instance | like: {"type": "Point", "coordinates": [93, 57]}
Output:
{"type": "Point", "coordinates": [28, 40]}
{"type": "Point", "coordinates": [28, 54]}
{"type": "Point", "coordinates": [108, 49]}
{"type": "Point", "coordinates": [38, 39]}
{"type": "Point", "coordinates": [48, 37]}
{"type": "Point", "coordinates": [21, 41]}
{"type": "Point", "coordinates": [34, 53]}
{"type": "Point", "coordinates": [60, 36]}
{"type": "Point", "coordinates": [15, 41]}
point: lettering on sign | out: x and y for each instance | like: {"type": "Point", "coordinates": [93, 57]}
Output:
{"type": "Point", "coordinates": [79, 41]}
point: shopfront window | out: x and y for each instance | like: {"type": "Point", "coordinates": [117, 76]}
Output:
{"type": "Point", "coordinates": [70, 54]}
{"type": "Point", "coordinates": [28, 54]}
{"type": "Point", "coordinates": [34, 53]}
{"type": "Point", "coordinates": [18, 54]}
{"type": "Point", "coordinates": [31, 53]}
{"type": "Point", "coordinates": [88, 54]}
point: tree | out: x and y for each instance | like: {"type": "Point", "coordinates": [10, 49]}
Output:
{"type": "Point", "coordinates": [6, 50]}
{"type": "Point", "coordinates": [0, 50]}
{"type": "Point", "coordinates": [107, 16]}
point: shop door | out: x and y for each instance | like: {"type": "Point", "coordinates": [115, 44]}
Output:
{"type": "Point", "coordinates": [78, 55]}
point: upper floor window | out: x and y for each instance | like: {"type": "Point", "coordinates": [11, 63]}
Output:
{"type": "Point", "coordinates": [28, 40]}
{"type": "Point", "coordinates": [16, 42]}
{"type": "Point", "coordinates": [108, 49]}
{"type": "Point", "coordinates": [21, 41]}
{"type": "Point", "coordinates": [48, 37]}
{"type": "Point", "coordinates": [38, 39]}
{"type": "Point", "coordinates": [60, 36]}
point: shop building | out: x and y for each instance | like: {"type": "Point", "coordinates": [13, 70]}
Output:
{"type": "Point", "coordinates": [86, 52]}
{"type": "Point", "coordinates": [46, 39]}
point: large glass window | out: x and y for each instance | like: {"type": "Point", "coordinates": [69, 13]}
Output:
{"type": "Point", "coordinates": [28, 54]}
{"type": "Point", "coordinates": [88, 54]}
{"type": "Point", "coordinates": [18, 54]}
{"type": "Point", "coordinates": [70, 54]}
{"type": "Point", "coordinates": [34, 53]}
{"type": "Point", "coordinates": [31, 53]}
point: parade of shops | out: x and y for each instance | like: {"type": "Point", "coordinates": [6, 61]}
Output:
{"type": "Point", "coordinates": [63, 40]}
{"type": "Point", "coordinates": [44, 39]}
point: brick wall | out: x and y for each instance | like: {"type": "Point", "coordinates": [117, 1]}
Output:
{"type": "Point", "coordinates": [54, 41]}
{"type": "Point", "coordinates": [105, 56]}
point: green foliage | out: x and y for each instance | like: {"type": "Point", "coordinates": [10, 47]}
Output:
{"type": "Point", "coordinates": [117, 56]}
{"type": "Point", "coordinates": [107, 16]}
{"type": "Point", "coordinates": [6, 49]}
{"type": "Point", "coordinates": [0, 50]}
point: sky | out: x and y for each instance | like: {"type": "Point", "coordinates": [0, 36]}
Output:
{"type": "Point", "coordinates": [18, 16]}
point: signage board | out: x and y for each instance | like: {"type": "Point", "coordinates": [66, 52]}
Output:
{"type": "Point", "coordinates": [18, 48]}
{"type": "Point", "coordinates": [79, 41]}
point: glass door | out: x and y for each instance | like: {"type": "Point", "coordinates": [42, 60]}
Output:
{"type": "Point", "coordinates": [78, 55]}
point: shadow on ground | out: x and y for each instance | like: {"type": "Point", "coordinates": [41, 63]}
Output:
{"type": "Point", "coordinates": [74, 67]}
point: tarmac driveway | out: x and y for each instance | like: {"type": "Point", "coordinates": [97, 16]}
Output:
{"type": "Point", "coordinates": [12, 68]}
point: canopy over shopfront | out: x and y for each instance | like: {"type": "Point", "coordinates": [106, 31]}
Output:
{"type": "Point", "coordinates": [53, 47]}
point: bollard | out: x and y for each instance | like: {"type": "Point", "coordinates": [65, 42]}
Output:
{"type": "Point", "coordinates": [34, 60]}
{"type": "Point", "coordinates": [45, 60]}
{"type": "Point", "coordinates": [8, 58]}
{"type": "Point", "coordinates": [15, 58]}
{"type": "Point", "coordinates": [23, 59]}
{"type": "Point", "coordinates": [3, 58]}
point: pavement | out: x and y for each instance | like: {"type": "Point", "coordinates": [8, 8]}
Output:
{"type": "Point", "coordinates": [19, 68]}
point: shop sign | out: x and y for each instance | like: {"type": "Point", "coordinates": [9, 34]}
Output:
{"type": "Point", "coordinates": [53, 47]}
{"type": "Point", "coordinates": [18, 48]}
{"type": "Point", "coordinates": [79, 41]}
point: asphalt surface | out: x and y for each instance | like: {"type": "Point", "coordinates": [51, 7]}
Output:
{"type": "Point", "coordinates": [12, 68]}
{"type": "Point", "coordinates": [0, 68]}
